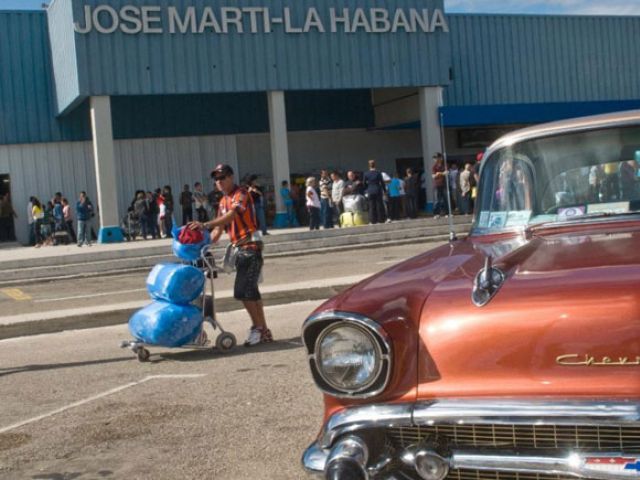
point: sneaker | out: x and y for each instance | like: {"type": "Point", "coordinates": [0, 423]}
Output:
{"type": "Point", "coordinates": [257, 336]}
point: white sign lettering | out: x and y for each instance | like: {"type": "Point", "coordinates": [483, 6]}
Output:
{"type": "Point", "coordinates": [132, 20]}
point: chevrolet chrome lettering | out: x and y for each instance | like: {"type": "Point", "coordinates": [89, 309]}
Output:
{"type": "Point", "coordinates": [512, 352]}
{"type": "Point", "coordinates": [575, 360]}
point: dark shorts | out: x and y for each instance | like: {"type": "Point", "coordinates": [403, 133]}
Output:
{"type": "Point", "coordinates": [248, 266]}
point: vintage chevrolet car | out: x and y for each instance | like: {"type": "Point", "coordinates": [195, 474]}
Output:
{"type": "Point", "coordinates": [512, 353]}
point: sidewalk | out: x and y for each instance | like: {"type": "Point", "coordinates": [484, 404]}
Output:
{"type": "Point", "coordinates": [25, 265]}
{"type": "Point", "coordinates": [77, 303]}
{"type": "Point", "coordinates": [15, 251]}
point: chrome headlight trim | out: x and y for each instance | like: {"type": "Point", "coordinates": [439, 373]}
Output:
{"type": "Point", "coordinates": [379, 357]}
{"type": "Point", "coordinates": [382, 340]}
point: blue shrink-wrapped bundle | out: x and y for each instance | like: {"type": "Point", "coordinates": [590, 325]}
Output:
{"type": "Point", "coordinates": [166, 324]}
{"type": "Point", "coordinates": [189, 252]}
{"type": "Point", "coordinates": [175, 283]}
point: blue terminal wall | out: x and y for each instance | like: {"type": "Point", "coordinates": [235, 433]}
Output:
{"type": "Point", "coordinates": [27, 98]}
{"type": "Point", "coordinates": [528, 69]}
{"type": "Point", "coordinates": [28, 112]}
{"type": "Point", "coordinates": [506, 69]}
{"type": "Point", "coordinates": [186, 63]}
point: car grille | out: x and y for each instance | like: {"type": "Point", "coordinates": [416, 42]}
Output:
{"type": "Point", "coordinates": [590, 438]}
{"type": "Point", "coordinates": [481, 475]}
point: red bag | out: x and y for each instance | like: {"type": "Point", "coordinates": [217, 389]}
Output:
{"type": "Point", "coordinates": [190, 237]}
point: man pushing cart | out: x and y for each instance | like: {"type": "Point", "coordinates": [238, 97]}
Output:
{"type": "Point", "coordinates": [236, 215]}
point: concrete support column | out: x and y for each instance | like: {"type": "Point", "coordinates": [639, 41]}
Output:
{"type": "Point", "coordinates": [105, 163]}
{"type": "Point", "coordinates": [279, 152]}
{"type": "Point", "coordinates": [430, 99]}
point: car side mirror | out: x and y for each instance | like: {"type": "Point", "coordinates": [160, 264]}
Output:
{"type": "Point", "coordinates": [487, 283]}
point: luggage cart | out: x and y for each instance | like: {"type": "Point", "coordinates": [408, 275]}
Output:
{"type": "Point", "coordinates": [225, 340]}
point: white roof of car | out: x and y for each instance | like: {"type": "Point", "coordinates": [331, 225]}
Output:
{"type": "Point", "coordinates": [629, 117]}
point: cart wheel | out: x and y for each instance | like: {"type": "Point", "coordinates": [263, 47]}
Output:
{"type": "Point", "coordinates": [226, 341]}
{"type": "Point", "coordinates": [143, 354]}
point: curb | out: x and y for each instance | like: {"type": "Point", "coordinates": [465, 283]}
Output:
{"type": "Point", "coordinates": [121, 316]}
{"type": "Point", "coordinates": [155, 259]}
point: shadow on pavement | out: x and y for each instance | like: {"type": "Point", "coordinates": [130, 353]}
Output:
{"type": "Point", "coordinates": [56, 366]}
{"type": "Point", "coordinates": [208, 353]}
{"type": "Point", "coordinates": [184, 355]}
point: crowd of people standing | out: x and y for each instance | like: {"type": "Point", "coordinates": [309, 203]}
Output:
{"type": "Point", "coordinates": [152, 212]}
{"type": "Point", "coordinates": [320, 202]}
{"type": "Point", "coordinates": [52, 222]}
{"type": "Point", "coordinates": [384, 197]}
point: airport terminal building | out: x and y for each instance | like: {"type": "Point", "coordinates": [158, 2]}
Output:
{"type": "Point", "coordinates": [112, 96]}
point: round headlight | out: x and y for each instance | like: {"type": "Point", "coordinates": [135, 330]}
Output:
{"type": "Point", "coordinates": [348, 357]}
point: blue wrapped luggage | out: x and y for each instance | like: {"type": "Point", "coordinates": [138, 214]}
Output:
{"type": "Point", "coordinates": [166, 324]}
{"type": "Point", "coordinates": [175, 283]}
{"type": "Point", "coordinates": [189, 252]}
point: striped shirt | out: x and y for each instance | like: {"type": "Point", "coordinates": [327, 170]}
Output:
{"type": "Point", "coordinates": [244, 223]}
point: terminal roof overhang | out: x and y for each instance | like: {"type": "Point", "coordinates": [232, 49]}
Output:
{"type": "Point", "coordinates": [323, 46]}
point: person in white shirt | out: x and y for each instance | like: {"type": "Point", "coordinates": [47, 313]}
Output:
{"type": "Point", "coordinates": [337, 190]}
{"type": "Point", "coordinates": [313, 204]}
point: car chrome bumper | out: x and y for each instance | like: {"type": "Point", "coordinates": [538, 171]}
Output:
{"type": "Point", "coordinates": [314, 460]}
{"type": "Point", "coordinates": [597, 464]}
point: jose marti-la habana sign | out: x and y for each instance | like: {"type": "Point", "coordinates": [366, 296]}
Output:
{"type": "Point", "coordinates": [133, 19]}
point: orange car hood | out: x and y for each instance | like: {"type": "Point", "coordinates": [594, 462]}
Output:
{"type": "Point", "coordinates": [569, 300]}
{"type": "Point", "coordinates": [566, 322]}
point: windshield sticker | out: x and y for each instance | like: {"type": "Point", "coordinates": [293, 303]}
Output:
{"type": "Point", "coordinates": [612, 207]}
{"type": "Point", "coordinates": [518, 218]}
{"type": "Point", "coordinates": [483, 221]}
{"type": "Point", "coordinates": [497, 219]}
{"type": "Point", "coordinates": [570, 212]}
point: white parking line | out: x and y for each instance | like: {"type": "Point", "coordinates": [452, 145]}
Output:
{"type": "Point", "coordinates": [388, 262]}
{"type": "Point", "coordinates": [96, 397]}
{"type": "Point", "coordinates": [91, 295]}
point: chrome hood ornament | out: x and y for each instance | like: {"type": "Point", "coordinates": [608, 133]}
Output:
{"type": "Point", "coordinates": [487, 283]}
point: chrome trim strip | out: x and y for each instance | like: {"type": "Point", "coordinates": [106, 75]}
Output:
{"type": "Point", "coordinates": [574, 464]}
{"type": "Point", "coordinates": [538, 412]}
{"type": "Point", "coordinates": [362, 321]}
{"type": "Point", "coordinates": [494, 411]}
{"type": "Point", "coordinates": [349, 317]}
{"type": "Point", "coordinates": [363, 418]}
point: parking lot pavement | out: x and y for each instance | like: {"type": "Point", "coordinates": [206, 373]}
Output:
{"type": "Point", "coordinates": [76, 303]}
{"type": "Point", "coordinates": [76, 406]}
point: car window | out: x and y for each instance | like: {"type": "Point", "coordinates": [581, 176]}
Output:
{"type": "Point", "coordinates": [556, 179]}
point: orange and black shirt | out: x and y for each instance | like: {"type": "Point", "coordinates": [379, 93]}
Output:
{"type": "Point", "coordinates": [244, 223]}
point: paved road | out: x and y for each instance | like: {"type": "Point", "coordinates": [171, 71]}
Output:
{"type": "Point", "coordinates": [81, 293]}
{"type": "Point", "coordinates": [75, 406]}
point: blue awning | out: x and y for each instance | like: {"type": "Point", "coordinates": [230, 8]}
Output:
{"type": "Point", "coordinates": [524, 113]}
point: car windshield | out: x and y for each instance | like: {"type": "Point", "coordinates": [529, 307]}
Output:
{"type": "Point", "coordinates": [575, 176]}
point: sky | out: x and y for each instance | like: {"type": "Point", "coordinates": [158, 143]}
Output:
{"type": "Point", "coordinates": [567, 7]}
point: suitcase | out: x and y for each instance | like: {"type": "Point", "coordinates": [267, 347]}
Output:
{"type": "Point", "coordinates": [354, 203]}
{"type": "Point", "coordinates": [61, 237]}
{"type": "Point", "coordinates": [350, 219]}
